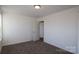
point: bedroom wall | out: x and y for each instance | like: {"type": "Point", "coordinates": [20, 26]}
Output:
{"type": "Point", "coordinates": [78, 31]}
{"type": "Point", "coordinates": [18, 28]}
{"type": "Point", "coordinates": [0, 30]}
{"type": "Point", "coordinates": [60, 29]}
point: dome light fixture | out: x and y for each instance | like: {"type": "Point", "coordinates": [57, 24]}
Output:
{"type": "Point", "coordinates": [37, 6]}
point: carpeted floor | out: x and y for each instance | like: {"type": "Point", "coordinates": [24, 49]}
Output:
{"type": "Point", "coordinates": [32, 47]}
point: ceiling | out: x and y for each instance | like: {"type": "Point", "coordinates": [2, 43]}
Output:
{"type": "Point", "coordinates": [29, 10]}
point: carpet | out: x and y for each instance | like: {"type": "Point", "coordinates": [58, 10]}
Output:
{"type": "Point", "coordinates": [33, 47]}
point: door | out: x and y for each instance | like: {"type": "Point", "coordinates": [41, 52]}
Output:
{"type": "Point", "coordinates": [41, 30]}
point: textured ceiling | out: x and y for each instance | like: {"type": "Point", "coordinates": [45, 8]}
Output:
{"type": "Point", "coordinates": [29, 10]}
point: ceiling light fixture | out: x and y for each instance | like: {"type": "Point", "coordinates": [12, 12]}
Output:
{"type": "Point", "coordinates": [37, 6]}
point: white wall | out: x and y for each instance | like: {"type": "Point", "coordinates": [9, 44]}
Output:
{"type": "Point", "coordinates": [35, 30]}
{"type": "Point", "coordinates": [0, 31]}
{"type": "Point", "coordinates": [18, 28]}
{"type": "Point", "coordinates": [78, 32]}
{"type": "Point", "coordinates": [60, 29]}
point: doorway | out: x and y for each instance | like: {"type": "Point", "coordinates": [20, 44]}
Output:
{"type": "Point", "coordinates": [41, 30]}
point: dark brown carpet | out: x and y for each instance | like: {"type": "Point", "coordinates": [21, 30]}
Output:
{"type": "Point", "coordinates": [32, 47]}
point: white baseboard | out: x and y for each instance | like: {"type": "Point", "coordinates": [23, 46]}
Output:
{"type": "Point", "coordinates": [72, 50]}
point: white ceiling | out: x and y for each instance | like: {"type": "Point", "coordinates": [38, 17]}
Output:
{"type": "Point", "coordinates": [29, 10]}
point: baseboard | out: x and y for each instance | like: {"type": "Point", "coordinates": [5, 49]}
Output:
{"type": "Point", "coordinates": [17, 43]}
{"type": "Point", "coordinates": [59, 47]}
